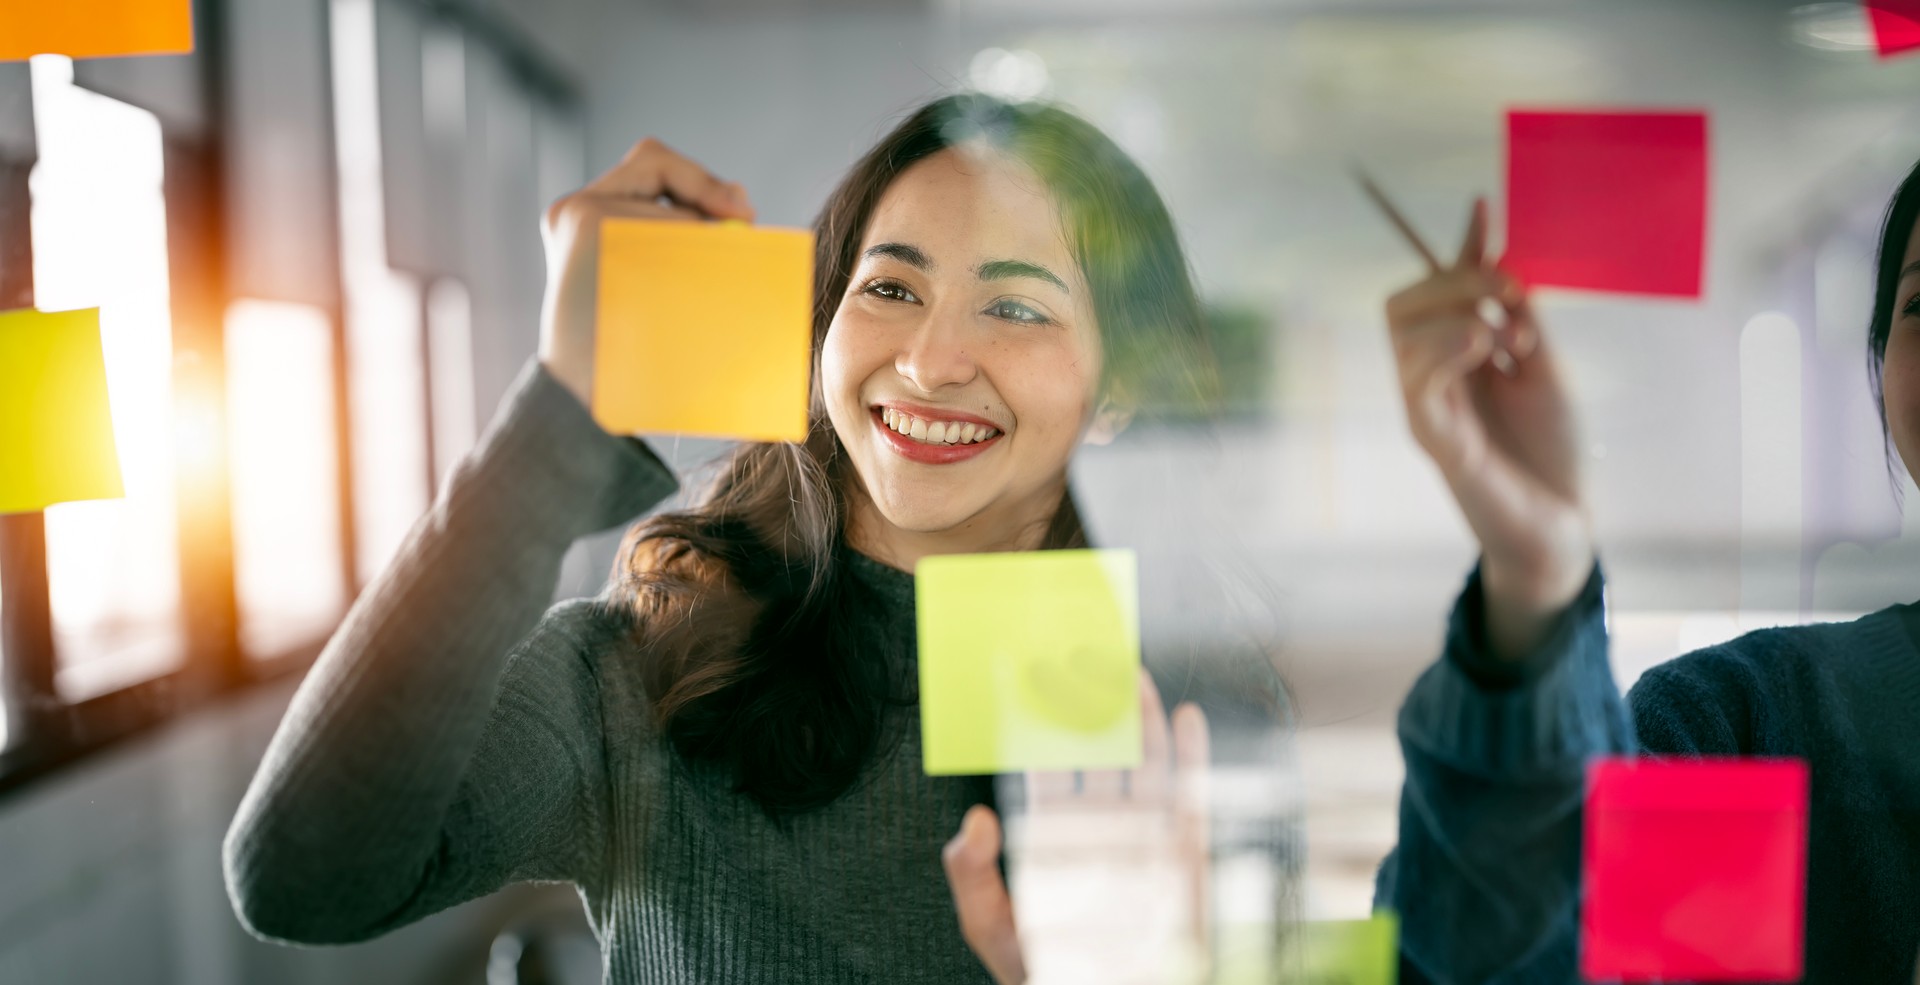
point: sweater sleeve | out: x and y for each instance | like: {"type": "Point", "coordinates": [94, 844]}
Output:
{"type": "Point", "coordinates": [1486, 874]}
{"type": "Point", "coordinates": [447, 740]}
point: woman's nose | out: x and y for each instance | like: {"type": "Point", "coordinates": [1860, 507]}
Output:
{"type": "Point", "coordinates": [937, 355]}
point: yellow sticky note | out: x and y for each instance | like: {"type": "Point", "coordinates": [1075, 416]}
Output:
{"type": "Point", "coordinates": [56, 433]}
{"type": "Point", "coordinates": [94, 28]}
{"type": "Point", "coordinates": [1029, 661]}
{"type": "Point", "coordinates": [704, 328]}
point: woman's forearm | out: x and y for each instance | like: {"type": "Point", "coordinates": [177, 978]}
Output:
{"type": "Point", "coordinates": [1486, 876]}
{"type": "Point", "coordinates": [345, 815]}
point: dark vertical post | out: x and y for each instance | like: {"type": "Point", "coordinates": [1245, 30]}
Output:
{"type": "Point", "coordinates": [26, 612]}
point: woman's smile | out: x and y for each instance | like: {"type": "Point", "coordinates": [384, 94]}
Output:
{"type": "Point", "coordinates": [934, 437]}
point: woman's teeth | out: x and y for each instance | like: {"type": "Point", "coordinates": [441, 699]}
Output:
{"type": "Point", "coordinates": [935, 432]}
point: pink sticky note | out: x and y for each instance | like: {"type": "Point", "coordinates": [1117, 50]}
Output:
{"type": "Point", "coordinates": [1896, 25]}
{"type": "Point", "coordinates": [1695, 870]}
{"type": "Point", "coordinates": [1607, 201]}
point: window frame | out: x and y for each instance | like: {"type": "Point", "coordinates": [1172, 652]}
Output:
{"type": "Point", "coordinates": [45, 733]}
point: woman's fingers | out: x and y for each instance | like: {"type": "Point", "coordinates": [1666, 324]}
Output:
{"type": "Point", "coordinates": [1046, 788]}
{"type": "Point", "coordinates": [972, 861]}
{"type": "Point", "coordinates": [1193, 755]}
{"type": "Point", "coordinates": [1449, 292]}
{"type": "Point", "coordinates": [1151, 781]}
{"type": "Point", "coordinates": [1523, 329]}
{"type": "Point", "coordinates": [1442, 352]}
{"type": "Point", "coordinates": [652, 170]}
{"type": "Point", "coordinates": [1104, 787]}
{"type": "Point", "coordinates": [1192, 817]}
{"type": "Point", "coordinates": [583, 210]}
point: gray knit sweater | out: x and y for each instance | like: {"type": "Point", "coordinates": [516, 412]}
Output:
{"type": "Point", "coordinates": [451, 740]}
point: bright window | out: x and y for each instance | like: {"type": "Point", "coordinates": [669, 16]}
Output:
{"type": "Point", "coordinates": [386, 368]}
{"type": "Point", "coordinates": [100, 239]}
{"type": "Point", "coordinates": [286, 480]}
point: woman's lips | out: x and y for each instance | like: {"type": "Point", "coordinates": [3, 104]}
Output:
{"type": "Point", "coordinates": [925, 453]}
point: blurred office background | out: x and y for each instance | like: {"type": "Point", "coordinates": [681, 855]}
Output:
{"type": "Point", "coordinates": [315, 246]}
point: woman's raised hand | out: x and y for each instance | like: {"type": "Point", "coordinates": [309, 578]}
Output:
{"type": "Point", "coordinates": [1112, 870]}
{"type": "Point", "coordinates": [1485, 401]}
{"type": "Point", "coordinates": [652, 182]}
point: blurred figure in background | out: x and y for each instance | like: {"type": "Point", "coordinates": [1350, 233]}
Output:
{"type": "Point", "coordinates": [1497, 735]}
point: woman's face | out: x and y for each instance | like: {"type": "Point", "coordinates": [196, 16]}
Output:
{"type": "Point", "coordinates": [1901, 379]}
{"type": "Point", "coordinates": [962, 367]}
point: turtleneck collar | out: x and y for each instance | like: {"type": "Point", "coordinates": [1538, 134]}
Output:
{"type": "Point", "coordinates": [888, 583]}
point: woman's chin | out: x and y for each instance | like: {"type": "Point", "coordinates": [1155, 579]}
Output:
{"type": "Point", "coordinates": [928, 514]}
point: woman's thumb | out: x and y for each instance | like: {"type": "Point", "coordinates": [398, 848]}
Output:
{"type": "Point", "coordinates": [972, 861]}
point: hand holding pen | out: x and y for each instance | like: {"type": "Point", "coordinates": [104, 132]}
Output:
{"type": "Point", "coordinates": [1485, 401]}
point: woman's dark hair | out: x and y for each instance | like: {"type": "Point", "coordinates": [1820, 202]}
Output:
{"type": "Point", "coordinates": [1895, 230]}
{"type": "Point", "coordinates": [742, 604]}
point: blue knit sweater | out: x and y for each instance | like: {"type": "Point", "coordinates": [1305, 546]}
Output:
{"type": "Point", "coordinates": [1486, 875]}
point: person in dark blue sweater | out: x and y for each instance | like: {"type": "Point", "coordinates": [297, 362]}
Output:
{"type": "Point", "coordinates": [1497, 734]}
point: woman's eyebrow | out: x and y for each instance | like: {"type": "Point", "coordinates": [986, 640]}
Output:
{"type": "Point", "coordinates": [1911, 268]}
{"type": "Point", "coordinates": [1004, 269]}
{"type": "Point", "coordinates": [902, 252]}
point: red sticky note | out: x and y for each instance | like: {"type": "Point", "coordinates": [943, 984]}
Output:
{"type": "Point", "coordinates": [1695, 870]}
{"type": "Point", "coordinates": [1896, 25]}
{"type": "Point", "coordinates": [1607, 201]}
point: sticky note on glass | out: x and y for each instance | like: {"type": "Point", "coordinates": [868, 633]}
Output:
{"type": "Point", "coordinates": [1343, 952]}
{"type": "Point", "coordinates": [1029, 661]}
{"type": "Point", "coordinates": [56, 432]}
{"type": "Point", "coordinates": [94, 28]}
{"type": "Point", "coordinates": [1695, 870]}
{"type": "Point", "coordinates": [1607, 201]}
{"type": "Point", "coordinates": [1895, 24]}
{"type": "Point", "coordinates": [704, 328]}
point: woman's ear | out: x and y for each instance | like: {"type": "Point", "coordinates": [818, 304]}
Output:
{"type": "Point", "coordinates": [1109, 420]}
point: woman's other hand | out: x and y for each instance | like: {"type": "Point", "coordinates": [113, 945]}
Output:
{"type": "Point", "coordinates": [1486, 403]}
{"type": "Point", "coordinates": [1112, 869]}
{"type": "Point", "coordinates": [651, 182]}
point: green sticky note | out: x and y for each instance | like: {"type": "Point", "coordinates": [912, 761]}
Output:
{"type": "Point", "coordinates": [1339, 952]}
{"type": "Point", "coordinates": [56, 432]}
{"type": "Point", "coordinates": [1029, 661]}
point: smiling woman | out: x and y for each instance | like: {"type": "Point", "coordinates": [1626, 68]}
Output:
{"type": "Point", "coordinates": [987, 264]}
{"type": "Point", "coordinates": [723, 750]}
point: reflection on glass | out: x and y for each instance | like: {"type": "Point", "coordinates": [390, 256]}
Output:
{"type": "Point", "coordinates": [100, 238]}
{"type": "Point", "coordinates": [286, 491]}
{"type": "Point", "coordinates": [385, 366]}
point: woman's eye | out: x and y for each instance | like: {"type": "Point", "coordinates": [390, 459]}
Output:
{"type": "Point", "coordinates": [1014, 311]}
{"type": "Point", "coordinates": [890, 290]}
{"type": "Point", "coordinates": [1912, 306]}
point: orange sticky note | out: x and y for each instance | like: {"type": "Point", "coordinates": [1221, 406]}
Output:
{"type": "Point", "coordinates": [94, 28]}
{"type": "Point", "coordinates": [56, 434]}
{"type": "Point", "coordinates": [704, 329]}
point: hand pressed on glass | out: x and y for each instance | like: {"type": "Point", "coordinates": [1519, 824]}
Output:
{"type": "Point", "coordinates": [1110, 867]}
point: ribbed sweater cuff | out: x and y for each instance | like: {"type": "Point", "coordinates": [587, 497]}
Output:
{"type": "Point", "coordinates": [1545, 715]}
{"type": "Point", "coordinates": [545, 461]}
